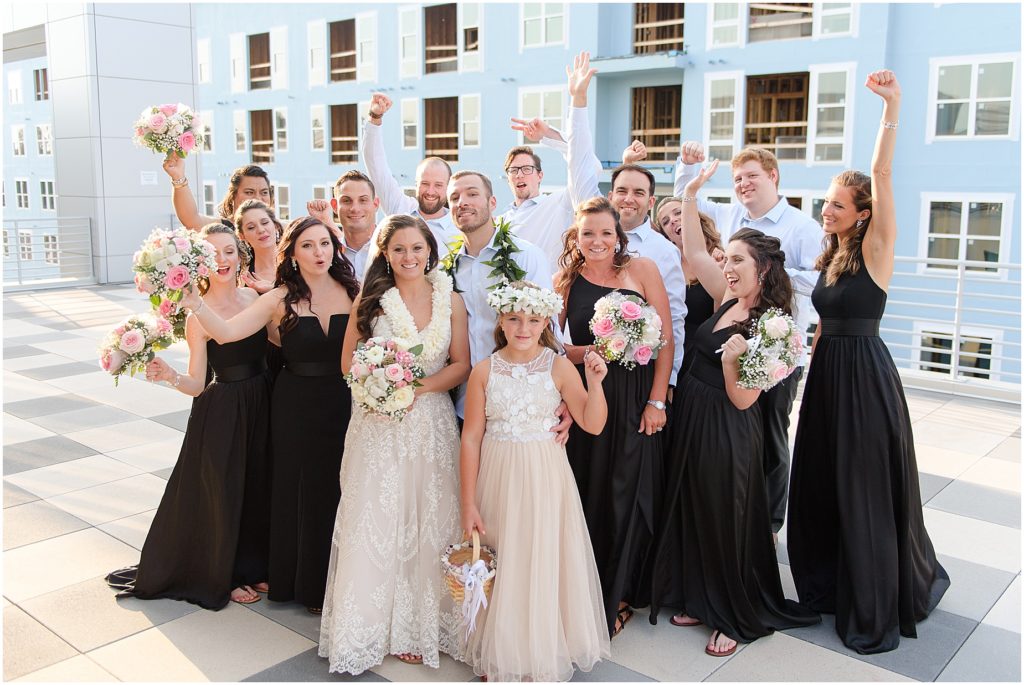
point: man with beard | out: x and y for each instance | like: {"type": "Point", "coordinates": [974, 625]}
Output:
{"type": "Point", "coordinates": [432, 176]}
{"type": "Point", "coordinates": [357, 205]}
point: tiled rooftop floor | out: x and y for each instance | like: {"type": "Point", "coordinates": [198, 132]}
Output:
{"type": "Point", "coordinates": [85, 464]}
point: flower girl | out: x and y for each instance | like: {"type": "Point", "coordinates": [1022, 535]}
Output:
{"type": "Point", "coordinates": [545, 615]}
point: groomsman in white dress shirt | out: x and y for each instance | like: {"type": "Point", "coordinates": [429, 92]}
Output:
{"type": "Point", "coordinates": [356, 203]}
{"type": "Point", "coordinates": [760, 206]}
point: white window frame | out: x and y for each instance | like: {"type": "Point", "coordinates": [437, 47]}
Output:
{"type": "Point", "coordinates": [47, 198]}
{"type": "Point", "coordinates": [470, 61]}
{"type": "Point", "coordinates": [316, 52]}
{"type": "Point", "coordinates": [240, 125]}
{"type": "Point", "coordinates": [279, 58]}
{"type": "Point", "coordinates": [921, 328]}
{"type": "Point", "coordinates": [545, 40]}
{"type": "Point", "coordinates": [410, 65]}
{"type": "Point", "coordinates": [204, 64]}
{"type": "Point", "coordinates": [740, 21]}
{"type": "Point", "coordinates": [936, 63]}
{"type": "Point", "coordinates": [44, 140]}
{"type": "Point", "coordinates": [51, 249]}
{"type": "Point", "coordinates": [284, 209]}
{"type": "Point", "coordinates": [206, 119]}
{"type": "Point", "coordinates": [15, 92]}
{"type": "Point", "coordinates": [812, 114]}
{"type": "Point", "coordinates": [739, 107]}
{"type": "Point", "coordinates": [463, 121]}
{"type": "Point", "coordinates": [807, 198]}
{"type": "Point", "coordinates": [322, 110]}
{"type": "Point", "coordinates": [366, 35]}
{"type": "Point", "coordinates": [18, 195]}
{"type": "Point", "coordinates": [238, 62]}
{"type": "Point", "coordinates": [209, 191]}
{"type": "Point", "coordinates": [820, 13]}
{"type": "Point", "coordinates": [25, 255]}
{"type": "Point", "coordinates": [410, 113]}
{"type": "Point", "coordinates": [326, 191]}
{"type": "Point", "coordinates": [1005, 229]}
{"type": "Point", "coordinates": [18, 141]}
{"type": "Point", "coordinates": [7, 243]}
{"type": "Point", "coordinates": [542, 90]}
{"type": "Point", "coordinates": [280, 131]}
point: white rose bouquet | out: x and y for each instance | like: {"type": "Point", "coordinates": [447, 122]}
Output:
{"type": "Point", "coordinates": [168, 262]}
{"type": "Point", "coordinates": [384, 376]}
{"type": "Point", "coordinates": [772, 354]}
{"type": "Point", "coordinates": [626, 330]}
{"type": "Point", "coordinates": [169, 130]}
{"type": "Point", "coordinates": [134, 343]}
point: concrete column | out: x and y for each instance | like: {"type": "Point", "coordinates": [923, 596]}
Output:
{"type": "Point", "coordinates": [107, 63]}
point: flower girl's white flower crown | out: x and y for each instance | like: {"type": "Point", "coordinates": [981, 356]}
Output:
{"type": "Point", "coordinates": [523, 296]}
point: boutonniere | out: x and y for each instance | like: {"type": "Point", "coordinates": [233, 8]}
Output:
{"type": "Point", "coordinates": [450, 263]}
{"type": "Point", "coordinates": [504, 267]}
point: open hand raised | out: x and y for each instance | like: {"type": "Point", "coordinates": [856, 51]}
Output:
{"type": "Point", "coordinates": [579, 78]}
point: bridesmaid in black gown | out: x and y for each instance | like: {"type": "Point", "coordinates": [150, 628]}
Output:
{"type": "Point", "coordinates": [260, 230]}
{"type": "Point", "coordinates": [310, 405]}
{"type": "Point", "coordinates": [619, 471]}
{"type": "Point", "coordinates": [715, 557]}
{"type": "Point", "coordinates": [858, 547]}
{"type": "Point", "coordinates": [208, 541]}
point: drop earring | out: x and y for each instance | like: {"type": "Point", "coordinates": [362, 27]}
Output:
{"type": "Point", "coordinates": [387, 266]}
{"type": "Point", "coordinates": [295, 264]}
{"type": "Point", "coordinates": [860, 223]}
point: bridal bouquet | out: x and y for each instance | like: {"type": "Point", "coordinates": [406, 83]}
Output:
{"type": "Point", "coordinates": [772, 353]}
{"type": "Point", "coordinates": [384, 374]}
{"type": "Point", "coordinates": [169, 130]}
{"type": "Point", "coordinates": [168, 262]}
{"type": "Point", "coordinates": [134, 343]}
{"type": "Point", "coordinates": [626, 330]}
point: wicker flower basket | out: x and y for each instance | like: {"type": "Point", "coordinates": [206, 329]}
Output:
{"type": "Point", "coordinates": [467, 552]}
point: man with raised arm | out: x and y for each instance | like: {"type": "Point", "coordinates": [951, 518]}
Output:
{"type": "Point", "coordinates": [357, 203]}
{"type": "Point", "coordinates": [432, 175]}
{"type": "Point", "coordinates": [759, 205]}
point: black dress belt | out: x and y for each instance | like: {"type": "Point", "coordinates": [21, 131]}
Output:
{"type": "Point", "coordinates": [314, 368]}
{"type": "Point", "coordinates": [858, 327]}
{"type": "Point", "coordinates": [240, 372]}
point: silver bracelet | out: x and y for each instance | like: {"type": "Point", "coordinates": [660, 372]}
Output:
{"type": "Point", "coordinates": [177, 379]}
{"type": "Point", "coordinates": [180, 183]}
{"type": "Point", "coordinates": [891, 125]}
{"type": "Point", "coordinates": [688, 198]}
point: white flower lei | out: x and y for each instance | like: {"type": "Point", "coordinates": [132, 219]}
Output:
{"type": "Point", "coordinates": [433, 337]}
{"type": "Point", "coordinates": [536, 301]}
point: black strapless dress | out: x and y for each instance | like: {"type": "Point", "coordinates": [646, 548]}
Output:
{"type": "Point", "coordinates": [857, 542]}
{"type": "Point", "coordinates": [715, 557]}
{"type": "Point", "coordinates": [618, 472]}
{"type": "Point", "coordinates": [209, 534]}
{"type": "Point", "coordinates": [310, 412]}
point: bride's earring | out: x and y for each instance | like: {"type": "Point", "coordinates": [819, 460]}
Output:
{"type": "Point", "coordinates": [295, 264]}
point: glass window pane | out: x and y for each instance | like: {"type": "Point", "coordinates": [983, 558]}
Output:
{"type": "Point", "coordinates": [955, 82]}
{"type": "Point", "coordinates": [553, 8]}
{"type": "Point", "coordinates": [723, 35]}
{"type": "Point", "coordinates": [531, 105]}
{"type": "Point", "coordinates": [816, 205]}
{"type": "Point", "coordinates": [318, 139]}
{"type": "Point", "coordinates": [832, 152]}
{"type": "Point", "coordinates": [995, 80]}
{"type": "Point", "coordinates": [984, 218]}
{"type": "Point", "coordinates": [951, 119]}
{"type": "Point", "coordinates": [836, 23]}
{"type": "Point", "coordinates": [470, 14]}
{"type": "Point", "coordinates": [408, 46]}
{"type": "Point", "coordinates": [531, 32]}
{"type": "Point", "coordinates": [992, 119]}
{"type": "Point", "coordinates": [832, 88]}
{"type": "Point", "coordinates": [471, 133]}
{"type": "Point", "coordinates": [982, 251]}
{"type": "Point", "coordinates": [554, 30]}
{"type": "Point", "coordinates": [943, 248]}
{"type": "Point", "coordinates": [830, 121]}
{"type": "Point", "coordinates": [532, 10]}
{"type": "Point", "coordinates": [470, 109]}
{"type": "Point", "coordinates": [945, 217]}
{"type": "Point", "coordinates": [408, 21]}
{"type": "Point", "coordinates": [722, 124]}
{"type": "Point", "coordinates": [726, 10]}
{"type": "Point", "coordinates": [720, 151]}
{"type": "Point", "coordinates": [552, 104]}
{"type": "Point", "coordinates": [409, 136]}
{"type": "Point", "coordinates": [723, 94]}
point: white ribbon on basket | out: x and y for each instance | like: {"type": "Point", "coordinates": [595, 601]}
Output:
{"type": "Point", "coordinates": [473, 596]}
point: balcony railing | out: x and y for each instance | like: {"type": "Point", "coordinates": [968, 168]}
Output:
{"type": "Point", "coordinates": [47, 252]}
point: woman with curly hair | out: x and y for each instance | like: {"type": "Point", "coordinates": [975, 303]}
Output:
{"type": "Point", "coordinates": [249, 182]}
{"type": "Point", "coordinates": [311, 402]}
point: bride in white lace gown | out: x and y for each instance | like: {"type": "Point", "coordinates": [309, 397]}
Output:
{"type": "Point", "coordinates": [399, 480]}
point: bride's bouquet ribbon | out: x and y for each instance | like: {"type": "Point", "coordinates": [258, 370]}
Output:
{"type": "Point", "coordinates": [473, 577]}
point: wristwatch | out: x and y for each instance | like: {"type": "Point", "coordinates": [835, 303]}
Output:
{"type": "Point", "coordinates": [657, 404]}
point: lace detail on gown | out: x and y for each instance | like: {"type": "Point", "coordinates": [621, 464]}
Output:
{"type": "Point", "coordinates": [399, 510]}
{"type": "Point", "coordinates": [522, 399]}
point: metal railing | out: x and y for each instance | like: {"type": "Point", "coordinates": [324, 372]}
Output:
{"type": "Point", "coordinates": [48, 252]}
{"type": "Point", "coordinates": [955, 326]}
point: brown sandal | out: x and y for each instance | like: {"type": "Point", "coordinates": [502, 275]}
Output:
{"type": "Point", "coordinates": [411, 659]}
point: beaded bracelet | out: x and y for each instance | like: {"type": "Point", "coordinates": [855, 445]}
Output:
{"type": "Point", "coordinates": [891, 125]}
{"type": "Point", "coordinates": [180, 183]}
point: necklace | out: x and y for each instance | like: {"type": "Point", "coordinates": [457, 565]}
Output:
{"type": "Point", "coordinates": [601, 281]}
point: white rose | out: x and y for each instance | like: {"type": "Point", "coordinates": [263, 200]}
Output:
{"type": "Point", "coordinates": [162, 266]}
{"type": "Point", "coordinates": [375, 355]}
{"type": "Point", "coordinates": [174, 259]}
{"type": "Point", "coordinates": [776, 327]}
{"type": "Point", "coordinates": [404, 397]}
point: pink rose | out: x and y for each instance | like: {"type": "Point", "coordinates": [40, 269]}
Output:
{"type": "Point", "coordinates": [394, 372]}
{"type": "Point", "coordinates": [144, 285]}
{"type": "Point", "coordinates": [187, 141]}
{"type": "Point", "coordinates": [604, 327]}
{"type": "Point", "coordinates": [157, 123]}
{"type": "Point", "coordinates": [140, 132]}
{"type": "Point", "coordinates": [164, 326]}
{"type": "Point", "coordinates": [617, 344]}
{"type": "Point", "coordinates": [401, 384]}
{"type": "Point", "coordinates": [203, 270]}
{"type": "Point", "coordinates": [196, 122]}
{"type": "Point", "coordinates": [119, 330]}
{"type": "Point", "coordinates": [133, 341]}
{"type": "Point", "coordinates": [168, 110]}
{"type": "Point", "coordinates": [167, 308]}
{"type": "Point", "coordinates": [176, 277]}
{"type": "Point", "coordinates": [408, 375]}
{"type": "Point", "coordinates": [630, 310]}
{"type": "Point", "coordinates": [642, 355]}
{"type": "Point", "coordinates": [111, 361]}
{"type": "Point", "coordinates": [777, 371]}
{"type": "Point", "coordinates": [181, 243]}
{"type": "Point", "coordinates": [390, 344]}
{"type": "Point", "coordinates": [403, 357]}
{"type": "Point", "coordinates": [359, 370]}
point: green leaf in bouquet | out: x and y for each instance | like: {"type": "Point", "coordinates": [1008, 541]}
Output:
{"type": "Point", "coordinates": [175, 295]}
{"type": "Point", "coordinates": [182, 154]}
{"type": "Point", "coordinates": [416, 349]}
{"type": "Point", "coordinates": [154, 300]}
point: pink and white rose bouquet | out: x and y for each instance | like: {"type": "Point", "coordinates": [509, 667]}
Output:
{"type": "Point", "coordinates": [167, 263]}
{"type": "Point", "coordinates": [133, 343]}
{"type": "Point", "coordinates": [772, 353]}
{"type": "Point", "coordinates": [384, 375]}
{"type": "Point", "coordinates": [626, 330]}
{"type": "Point", "coordinates": [169, 129]}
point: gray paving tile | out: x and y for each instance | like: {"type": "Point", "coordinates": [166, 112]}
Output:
{"type": "Point", "coordinates": [15, 496]}
{"type": "Point", "coordinates": [35, 521]}
{"type": "Point", "coordinates": [931, 485]}
{"type": "Point", "coordinates": [938, 638]}
{"type": "Point", "coordinates": [36, 338]}
{"type": "Point", "coordinates": [45, 373]}
{"type": "Point", "coordinates": [974, 589]}
{"type": "Point", "coordinates": [29, 409]}
{"type": "Point", "coordinates": [308, 667]}
{"type": "Point", "coordinates": [609, 672]}
{"type": "Point", "coordinates": [17, 351]}
{"type": "Point", "coordinates": [176, 419]}
{"type": "Point", "coordinates": [58, 324]}
{"type": "Point", "coordinates": [28, 646]}
{"type": "Point", "coordinates": [290, 615]}
{"type": "Point", "coordinates": [164, 473]}
{"type": "Point", "coordinates": [980, 502]}
{"type": "Point", "coordinates": [34, 454]}
{"type": "Point", "coordinates": [990, 654]}
{"type": "Point", "coordinates": [80, 419]}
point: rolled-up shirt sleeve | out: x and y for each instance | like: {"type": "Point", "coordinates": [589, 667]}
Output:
{"type": "Point", "coordinates": [392, 199]}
